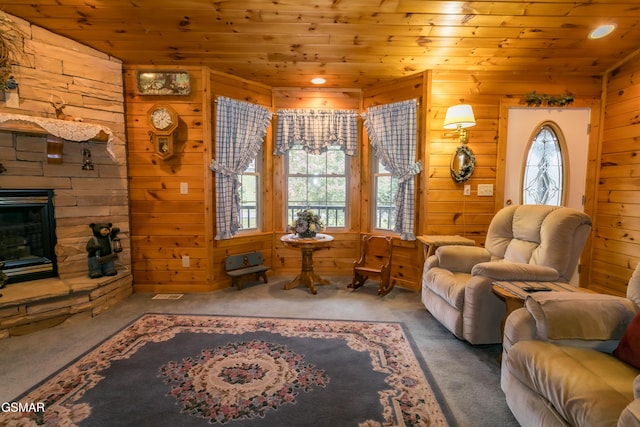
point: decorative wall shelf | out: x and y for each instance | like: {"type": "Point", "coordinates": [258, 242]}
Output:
{"type": "Point", "coordinates": [67, 130]}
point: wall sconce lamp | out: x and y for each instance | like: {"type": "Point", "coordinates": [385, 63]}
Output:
{"type": "Point", "coordinates": [460, 117]}
{"type": "Point", "coordinates": [463, 162]}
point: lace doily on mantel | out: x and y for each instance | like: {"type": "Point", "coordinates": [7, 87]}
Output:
{"type": "Point", "coordinates": [67, 130]}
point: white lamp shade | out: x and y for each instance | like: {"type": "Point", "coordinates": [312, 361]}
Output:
{"type": "Point", "coordinates": [460, 115]}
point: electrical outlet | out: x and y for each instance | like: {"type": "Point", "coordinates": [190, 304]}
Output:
{"type": "Point", "coordinates": [485, 189]}
{"type": "Point", "coordinates": [467, 190]}
{"type": "Point", "coordinates": [186, 261]}
{"type": "Point", "coordinates": [184, 188]}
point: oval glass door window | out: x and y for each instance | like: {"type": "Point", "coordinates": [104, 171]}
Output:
{"type": "Point", "coordinates": [544, 171]}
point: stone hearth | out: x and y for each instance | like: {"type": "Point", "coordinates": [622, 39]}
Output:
{"type": "Point", "coordinates": [30, 306]}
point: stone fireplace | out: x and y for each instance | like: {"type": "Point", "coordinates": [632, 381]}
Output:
{"type": "Point", "coordinates": [90, 83]}
{"type": "Point", "coordinates": [73, 198]}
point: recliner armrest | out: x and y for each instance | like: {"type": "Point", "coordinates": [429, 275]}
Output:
{"type": "Point", "coordinates": [566, 323]}
{"type": "Point", "coordinates": [461, 258]}
{"type": "Point", "coordinates": [579, 315]}
{"type": "Point", "coordinates": [505, 270]}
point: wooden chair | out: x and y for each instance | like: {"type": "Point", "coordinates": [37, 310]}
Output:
{"type": "Point", "coordinates": [375, 261]}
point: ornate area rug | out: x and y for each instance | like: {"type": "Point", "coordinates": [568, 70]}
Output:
{"type": "Point", "coordinates": [197, 370]}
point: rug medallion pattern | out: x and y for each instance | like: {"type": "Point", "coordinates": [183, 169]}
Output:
{"type": "Point", "coordinates": [260, 368]}
{"type": "Point", "coordinates": [240, 380]}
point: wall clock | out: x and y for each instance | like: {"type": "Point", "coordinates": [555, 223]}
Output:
{"type": "Point", "coordinates": [164, 130]}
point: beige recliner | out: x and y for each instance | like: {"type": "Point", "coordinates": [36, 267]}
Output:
{"type": "Point", "coordinates": [557, 363]}
{"type": "Point", "coordinates": [524, 242]}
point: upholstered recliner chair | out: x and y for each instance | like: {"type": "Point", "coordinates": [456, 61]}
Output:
{"type": "Point", "coordinates": [524, 242]}
{"type": "Point", "coordinates": [573, 358]}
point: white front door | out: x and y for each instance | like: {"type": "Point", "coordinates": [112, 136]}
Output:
{"type": "Point", "coordinates": [523, 124]}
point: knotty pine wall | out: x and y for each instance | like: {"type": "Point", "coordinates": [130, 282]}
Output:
{"type": "Point", "coordinates": [167, 225]}
{"type": "Point", "coordinates": [338, 260]}
{"type": "Point", "coordinates": [407, 263]}
{"type": "Point", "coordinates": [263, 241]}
{"type": "Point", "coordinates": [446, 210]}
{"type": "Point", "coordinates": [616, 237]}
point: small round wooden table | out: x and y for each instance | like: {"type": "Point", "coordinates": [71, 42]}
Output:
{"type": "Point", "coordinates": [307, 246]}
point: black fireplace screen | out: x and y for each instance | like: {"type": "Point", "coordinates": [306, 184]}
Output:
{"type": "Point", "coordinates": [27, 234]}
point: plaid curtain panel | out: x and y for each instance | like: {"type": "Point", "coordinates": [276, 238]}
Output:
{"type": "Point", "coordinates": [240, 131]}
{"type": "Point", "coordinates": [316, 130]}
{"type": "Point", "coordinates": [392, 133]}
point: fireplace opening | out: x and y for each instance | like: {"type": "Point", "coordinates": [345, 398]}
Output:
{"type": "Point", "coordinates": [27, 235]}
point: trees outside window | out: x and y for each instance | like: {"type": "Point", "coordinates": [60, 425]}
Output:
{"type": "Point", "coordinates": [385, 188]}
{"type": "Point", "coordinates": [249, 195]}
{"type": "Point", "coordinates": [318, 182]}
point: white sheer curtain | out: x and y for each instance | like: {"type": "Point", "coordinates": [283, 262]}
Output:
{"type": "Point", "coordinates": [392, 132]}
{"type": "Point", "coordinates": [316, 130]}
{"type": "Point", "coordinates": [240, 131]}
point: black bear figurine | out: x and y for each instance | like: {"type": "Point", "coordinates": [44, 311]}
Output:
{"type": "Point", "coordinates": [99, 249]}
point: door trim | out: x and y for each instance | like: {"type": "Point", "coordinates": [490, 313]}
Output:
{"type": "Point", "coordinates": [590, 188]}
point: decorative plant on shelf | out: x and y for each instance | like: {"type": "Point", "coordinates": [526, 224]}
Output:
{"type": "Point", "coordinates": [11, 38]}
{"type": "Point", "coordinates": [536, 99]}
{"type": "Point", "coordinates": [307, 224]}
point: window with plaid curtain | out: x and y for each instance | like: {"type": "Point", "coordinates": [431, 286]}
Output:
{"type": "Point", "coordinates": [392, 133]}
{"type": "Point", "coordinates": [316, 130]}
{"type": "Point", "coordinates": [240, 131]}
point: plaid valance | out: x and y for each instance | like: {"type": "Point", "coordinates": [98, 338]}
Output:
{"type": "Point", "coordinates": [316, 130]}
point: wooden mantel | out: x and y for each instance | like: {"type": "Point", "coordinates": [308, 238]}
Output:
{"type": "Point", "coordinates": [65, 129]}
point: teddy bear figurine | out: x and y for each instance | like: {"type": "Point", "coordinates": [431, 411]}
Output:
{"type": "Point", "coordinates": [99, 249]}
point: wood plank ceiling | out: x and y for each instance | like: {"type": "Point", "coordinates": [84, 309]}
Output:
{"type": "Point", "coordinates": [351, 43]}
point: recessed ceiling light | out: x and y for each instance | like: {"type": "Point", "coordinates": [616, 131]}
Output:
{"type": "Point", "coordinates": [602, 31]}
{"type": "Point", "coordinates": [318, 81]}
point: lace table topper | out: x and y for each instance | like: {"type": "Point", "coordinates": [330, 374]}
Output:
{"type": "Point", "coordinates": [67, 130]}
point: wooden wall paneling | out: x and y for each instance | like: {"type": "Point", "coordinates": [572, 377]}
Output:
{"type": "Point", "coordinates": [277, 207]}
{"type": "Point", "coordinates": [424, 154]}
{"type": "Point", "coordinates": [206, 121]}
{"type": "Point", "coordinates": [446, 202]}
{"type": "Point", "coordinates": [615, 248]}
{"type": "Point", "coordinates": [592, 178]}
{"type": "Point", "coordinates": [242, 90]}
{"type": "Point", "coordinates": [406, 267]}
{"type": "Point", "coordinates": [267, 188]}
{"type": "Point", "coordinates": [338, 260]}
{"type": "Point", "coordinates": [490, 94]}
{"type": "Point", "coordinates": [317, 98]}
{"type": "Point", "coordinates": [365, 209]}
{"type": "Point", "coordinates": [223, 84]}
{"type": "Point", "coordinates": [441, 200]}
{"type": "Point", "coordinates": [167, 225]}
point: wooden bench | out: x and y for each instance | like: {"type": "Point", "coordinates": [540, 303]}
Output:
{"type": "Point", "coordinates": [241, 265]}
